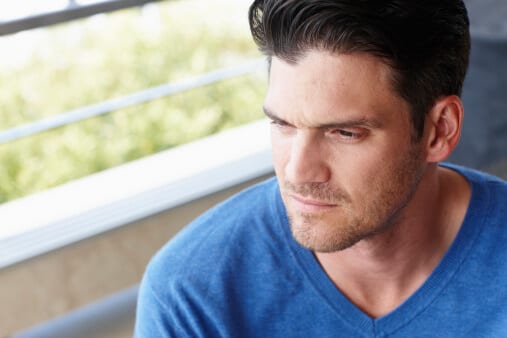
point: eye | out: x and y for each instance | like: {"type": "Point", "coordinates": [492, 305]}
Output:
{"type": "Point", "coordinates": [348, 135]}
{"type": "Point", "coordinates": [277, 123]}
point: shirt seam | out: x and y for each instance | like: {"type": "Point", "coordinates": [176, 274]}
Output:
{"type": "Point", "coordinates": [466, 256]}
{"type": "Point", "coordinates": [283, 222]}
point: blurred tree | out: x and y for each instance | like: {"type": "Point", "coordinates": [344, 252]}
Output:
{"type": "Point", "coordinates": [106, 56]}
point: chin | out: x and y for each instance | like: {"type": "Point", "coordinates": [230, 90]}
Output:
{"type": "Point", "coordinates": [321, 236]}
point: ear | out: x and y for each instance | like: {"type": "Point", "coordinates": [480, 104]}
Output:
{"type": "Point", "coordinates": [442, 128]}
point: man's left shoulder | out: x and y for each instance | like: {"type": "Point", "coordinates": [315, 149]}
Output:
{"type": "Point", "coordinates": [480, 178]}
{"type": "Point", "coordinates": [488, 203]}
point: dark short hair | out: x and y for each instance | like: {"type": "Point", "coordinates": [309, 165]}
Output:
{"type": "Point", "coordinates": [426, 43]}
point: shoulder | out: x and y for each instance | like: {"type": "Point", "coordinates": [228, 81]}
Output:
{"type": "Point", "coordinates": [488, 205]}
{"type": "Point", "coordinates": [482, 183]}
{"type": "Point", "coordinates": [197, 282]}
{"type": "Point", "coordinates": [209, 243]}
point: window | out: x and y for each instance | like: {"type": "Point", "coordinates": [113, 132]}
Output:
{"type": "Point", "coordinates": [84, 62]}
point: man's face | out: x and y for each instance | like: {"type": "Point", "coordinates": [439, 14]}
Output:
{"type": "Point", "coordinates": [342, 148]}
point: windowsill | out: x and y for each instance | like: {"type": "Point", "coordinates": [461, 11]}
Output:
{"type": "Point", "coordinates": [110, 199]}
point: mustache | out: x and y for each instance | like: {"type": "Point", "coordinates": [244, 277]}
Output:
{"type": "Point", "coordinates": [318, 191]}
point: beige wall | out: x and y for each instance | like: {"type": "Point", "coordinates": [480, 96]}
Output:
{"type": "Point", "coordinates": [52, 284]}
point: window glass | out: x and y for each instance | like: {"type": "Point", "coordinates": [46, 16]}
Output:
{"type": "Point", "coordinates": [48, 71]}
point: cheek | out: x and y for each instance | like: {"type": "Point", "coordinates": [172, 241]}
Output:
{"type": "Point", "coordinates": [386, 176]}
{"type": "Point", "coordinates": [360, 170]}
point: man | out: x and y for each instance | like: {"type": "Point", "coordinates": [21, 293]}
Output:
{"type": "Point", "coordinates": [362, 233]}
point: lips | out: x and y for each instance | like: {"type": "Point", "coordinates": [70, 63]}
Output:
{"type": "Point", "coordinates": [310, 205]}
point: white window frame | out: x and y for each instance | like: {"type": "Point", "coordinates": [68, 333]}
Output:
{"type": "Point", "coordinates": [57, 217]}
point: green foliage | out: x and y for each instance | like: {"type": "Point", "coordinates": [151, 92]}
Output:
{"type": "Point", "coordinates": [92, 60]}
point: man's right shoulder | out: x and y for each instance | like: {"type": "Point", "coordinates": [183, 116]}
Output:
{"type": "Point", "coordinates": [234, 225]}
{"type": "Point", "coordinates": [210, 279]}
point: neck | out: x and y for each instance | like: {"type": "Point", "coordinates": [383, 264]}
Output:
{"type": "Point", "coordinates": [379, 273]}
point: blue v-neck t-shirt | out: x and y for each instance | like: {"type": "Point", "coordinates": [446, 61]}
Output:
{"type": "Point", "coordinates": [236, 271]}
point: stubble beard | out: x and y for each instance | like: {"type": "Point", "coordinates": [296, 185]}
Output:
{"type": "Point", "coordinates": [347, 225]}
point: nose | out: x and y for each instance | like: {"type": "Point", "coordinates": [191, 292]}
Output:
{"type": "Point", "coordinates": [307, 161]}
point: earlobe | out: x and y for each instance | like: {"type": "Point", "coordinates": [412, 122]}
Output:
{"type": "Point", "coordinates": [443, 128]}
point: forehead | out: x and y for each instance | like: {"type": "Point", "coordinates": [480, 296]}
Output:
{"type": "Point", "coordinates": [322, 86]}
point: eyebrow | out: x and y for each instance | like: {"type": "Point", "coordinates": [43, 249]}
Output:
{"type": "Point", "coordinates": [361, 122]}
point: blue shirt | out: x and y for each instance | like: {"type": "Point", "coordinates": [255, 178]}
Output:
{"type": "Point", "coordinates": [236, 271]}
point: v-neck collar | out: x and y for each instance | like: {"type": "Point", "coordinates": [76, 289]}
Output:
{"type": "Point", "coordinates": [421, 299]}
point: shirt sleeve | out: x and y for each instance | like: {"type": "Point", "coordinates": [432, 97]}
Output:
{"type": "Point", "coordinates": [153, 317]}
